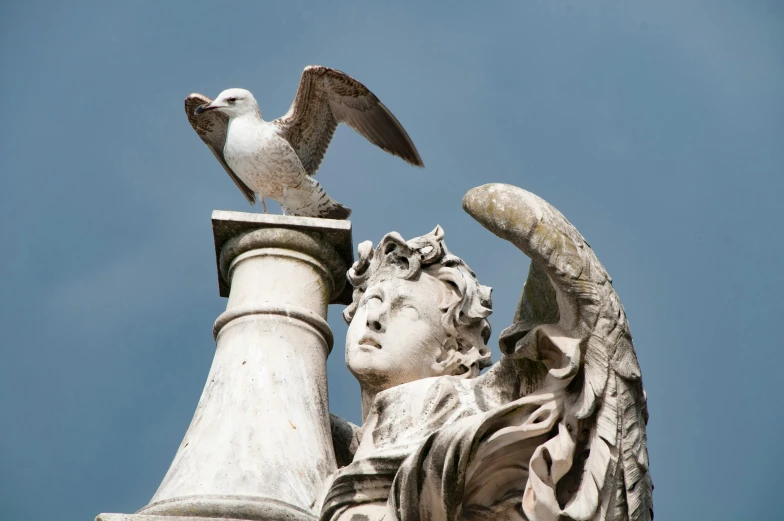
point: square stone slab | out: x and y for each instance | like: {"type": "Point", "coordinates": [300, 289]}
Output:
{"type": "Point", "coordinates": [226, 224]}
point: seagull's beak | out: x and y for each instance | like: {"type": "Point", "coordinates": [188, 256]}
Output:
{"type": "Point", "coordinates": [204, 108]}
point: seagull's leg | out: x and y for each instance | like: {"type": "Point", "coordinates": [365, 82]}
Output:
{"type": "Point", "coordinates": [263, 204]}
{"type": "Point", "coordinates": [283, 205]}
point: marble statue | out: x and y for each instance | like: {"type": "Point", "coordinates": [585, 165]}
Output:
{"type": "Point", "coordinates": [554, 430]}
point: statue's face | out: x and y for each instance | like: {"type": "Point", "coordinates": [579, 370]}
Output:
{"type": "Point", "coordinates": [396, 334]}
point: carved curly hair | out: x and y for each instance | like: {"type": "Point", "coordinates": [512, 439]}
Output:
{"type": "Point", "coordinates": [465, 309]}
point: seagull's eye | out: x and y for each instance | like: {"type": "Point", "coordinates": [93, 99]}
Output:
{"type": "Point", "coordinates": [231, 100]}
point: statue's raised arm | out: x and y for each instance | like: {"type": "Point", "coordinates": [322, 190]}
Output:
{"type": "Point", "coordinates": [595, 465]}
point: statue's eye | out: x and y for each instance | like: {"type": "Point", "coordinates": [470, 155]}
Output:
{"type": "Point", "coordinates": [373, 300]}
{"type": "Point", "coordinates": [409, 312]}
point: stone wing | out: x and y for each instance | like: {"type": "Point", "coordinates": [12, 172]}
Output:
{"type": "Point", "coordinates": [596, 465]}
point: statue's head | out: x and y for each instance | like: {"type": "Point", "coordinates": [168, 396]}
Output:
{"type": "Point", "coordinates": [417, 311]}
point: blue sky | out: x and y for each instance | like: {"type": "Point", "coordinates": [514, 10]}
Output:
{"type": "Point", "coordinates": [655, 127]}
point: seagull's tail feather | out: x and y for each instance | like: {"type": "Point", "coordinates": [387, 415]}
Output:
{"type": "Point", "coordinates": [336, 211]}
{"type": "Point", "coordinates": [310, 200]}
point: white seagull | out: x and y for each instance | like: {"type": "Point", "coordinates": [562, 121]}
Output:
{"type": "Point", "coordinates": [276, 159]}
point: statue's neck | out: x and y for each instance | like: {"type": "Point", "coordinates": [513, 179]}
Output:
{"type": "Point", "coordinates": [368, 397]}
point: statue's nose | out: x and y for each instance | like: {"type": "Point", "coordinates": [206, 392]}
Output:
{"type": "Point", "coordinates": [375, 325]}
{"type": "Point", "coordinates": [375, 319]}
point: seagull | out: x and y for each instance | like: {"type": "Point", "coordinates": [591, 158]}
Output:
{"type": "Point", "coordinates": [277, 159]}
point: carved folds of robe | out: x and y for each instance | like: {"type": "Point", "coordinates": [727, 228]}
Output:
{"type": "Point", "coordinates": [453, 448]}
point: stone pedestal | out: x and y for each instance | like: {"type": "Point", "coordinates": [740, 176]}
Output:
{"type": "Point", "coordinates": [259, 446]}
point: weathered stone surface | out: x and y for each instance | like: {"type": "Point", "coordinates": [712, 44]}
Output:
{"type": "Point", "coordinates": [142, 517]}
{"type": "Point", "coordinates": [337, 234]}
{"type": "Point", "coordinates": [345, 439]}
{"type": "Point", "coordinates": [260, 446]}
{"type": "Point", "coordinates": [271, 509]}
{"type": "Point", "coordinates": [554, 430]}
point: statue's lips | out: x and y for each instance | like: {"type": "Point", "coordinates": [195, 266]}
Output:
{"type": "Point", "coordinates": [367, 341]}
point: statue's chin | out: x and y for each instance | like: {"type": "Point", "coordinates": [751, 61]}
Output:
{"type": "Point", "coordinates": [369, 376]}
{"type": "Point", "coordinates": [373, 375]}
{"type": "Point", "coordinates": [365, 362]}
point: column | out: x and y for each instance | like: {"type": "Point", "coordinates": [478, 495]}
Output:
{"type": "Point", "coordinates": [259, 445]}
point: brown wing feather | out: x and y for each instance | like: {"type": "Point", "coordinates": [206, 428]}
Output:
{"type": "Point", "coordinates": [211, 127]}
{"type": "Point", "coordinates": [327, 97]}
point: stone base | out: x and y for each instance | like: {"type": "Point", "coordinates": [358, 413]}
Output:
{"type": "Point", "coordinates": [140, 517]}
{"type": "Point", "coordinates": [214, 508]}
{"type": "Point", "coordinates": [226, 224]}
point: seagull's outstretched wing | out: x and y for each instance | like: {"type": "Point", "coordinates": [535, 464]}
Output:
{"type": "Point", "coordinates": [327, 97]}
{"type": "Point", "coordinates": [211, 127]}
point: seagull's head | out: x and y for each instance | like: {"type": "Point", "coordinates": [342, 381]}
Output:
{"type": "Point", "coordinates": [232, 102]}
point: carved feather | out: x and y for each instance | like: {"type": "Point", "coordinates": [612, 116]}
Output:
{"type": "Point", "coordinates": [608, 398]}
{"type": "Point", "coordinates": [634, 453]}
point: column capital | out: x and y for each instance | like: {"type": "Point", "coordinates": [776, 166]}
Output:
{"type": "Point", "coordinates": [328, 240]}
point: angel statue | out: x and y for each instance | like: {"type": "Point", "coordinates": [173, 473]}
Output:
{"type": "Point", "coordinates": [554, 430]}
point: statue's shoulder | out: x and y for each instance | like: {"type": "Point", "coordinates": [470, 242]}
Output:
{"type": "Point", "coordinates": [420, 398]}
{"type": "Point", "coordinates": [345, 439]}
